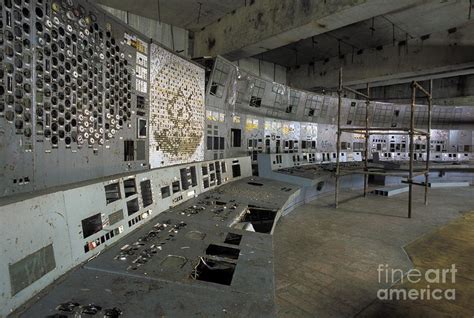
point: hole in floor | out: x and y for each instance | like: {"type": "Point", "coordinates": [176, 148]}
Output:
{"type": "Point", "coordinates": [258, 220]}
{"type": "Point", "coordinates": [223, 251]}
{"type": "Point", "coordinates": [218, 272]}
{"type": "Point", "coordinates": [233, 239]}
{"type": "Point", "coordinates": [255, 183]}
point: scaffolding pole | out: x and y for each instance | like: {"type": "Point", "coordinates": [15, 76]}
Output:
{"type": "Point", "coordinates": [411, 131]}
{"type": "Point", "coordinates": [338, 137]}
{"type": "Point", "coordinates": [428, 141]}
{"type": "Point", "coordinates": [366, 153]}
{"type": "Point", "coordinates": [412, 147]}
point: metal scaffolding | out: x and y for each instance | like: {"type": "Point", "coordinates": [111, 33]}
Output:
{"type": "Point", "coordinates": [367, 131]}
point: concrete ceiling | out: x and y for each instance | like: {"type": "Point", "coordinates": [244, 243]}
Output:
{"type": "Point", "coordinates": [187, 14]}
{"type": "Point", "coordinates": [380, 31]}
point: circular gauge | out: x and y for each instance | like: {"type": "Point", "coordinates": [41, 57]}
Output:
{"type": "Point", "coordinates": [27, 88]}
{"type": "Point", "coordinates": [17, 15]}
{"type": "Point", "coordinates": [55, 6]}
{"type": "Point", "coordinates": [18, 78]}
{"type": "Point", "coordinates": [18, 124]}
{"type": "Point", "coordinates": [18, 93]}
{"type": "Point", "coordinates": [18, 109]}
{"type": "Point", "coordinates": [9, 115]}
{"type": "Point", "coordinates": [27, 132]}
{"type": "Point", "coordinates": [39, 12]}
{"type": "Point", "coordinates": [70, 15]}
{"type": "Point", "coordinates": [26, 28]}
{"type": "Point", "coordinates": [8, 35]}
{"type": "Point", "coordinates": [26, 13]}
{"type": "Point", "coordinates": [18, 31]}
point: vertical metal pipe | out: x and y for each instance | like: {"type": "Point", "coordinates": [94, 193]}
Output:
{"type": "Point", "coordinates": [338, 141]}
{"type": "Point", "coordinates": [411, 132]}
{"type": "Point", "coordinates": [366, 153]}
{"type": "Point", "coordinates": [428, 141]}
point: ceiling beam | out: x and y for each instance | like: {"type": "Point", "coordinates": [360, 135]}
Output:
{"type": "Point", "coordinates": [443, 54]}
{"type": "Point", "coordinates": [263, 25]}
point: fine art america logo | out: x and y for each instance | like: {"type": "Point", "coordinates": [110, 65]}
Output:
{"type": "Point", "coordinates": [425, 291]}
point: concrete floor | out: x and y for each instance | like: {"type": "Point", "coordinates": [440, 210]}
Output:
{"type": "Point", "coordinates": [326, 260]}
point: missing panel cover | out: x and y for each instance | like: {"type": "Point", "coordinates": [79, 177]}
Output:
{"type": "Point", "coordinates": [233, 239]}
{"type": "Point", "coordinates": [147, 195]}
{"type": "Point", "coordinates": [91, 225]}
{"type": "Point", "coordinates": [165, 192]}
{"type": "Point", "coordinates": [236, 170]}
{"type": "Point", "coordinates": [223, 251]}
{"type": "Point", "coordinates": [213, 271]}
{"type": "Point", "coordinates": [142, 128]}
{"type": "Point", "coordinates": [130, 187]}
{"type": "Point", "coordinates": [132, 206]}
{"type": "Point", "coordinates": [112, 192]}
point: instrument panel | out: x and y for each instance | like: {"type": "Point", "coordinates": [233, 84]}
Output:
{"type": "Point", "coordinates": [73, 94]}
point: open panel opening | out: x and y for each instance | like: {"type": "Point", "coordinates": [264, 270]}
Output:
{"type": "Point", "coordinates": [132, 206]}
{"type": "Point", "coordinates": [130, 187]}
{"type": "Point", "coordinates": [236, 170]}
{"type": "Point", "coordinates": [91, 225]}
{"type": "Point", "coordinates": [193, 176]}
{"type": "Point", "coordinates": [128, 150]}
{"type": "Point", "coordinates": [112, 192]}
{"type": "Point", "coordinates": [258, 219]}
{"type": "Point", "coordinates": [176, 187]}
{"type": "Point", "coordinates": [223, 251]}
{"type": "Point", "coordinates": [213, 271]}
{"type": "Point", "coordinates": [233, 239]}
{"type": "Point", "coordinates": [147, 195]}
{"type": "Point", "coordinates": [165, 192]}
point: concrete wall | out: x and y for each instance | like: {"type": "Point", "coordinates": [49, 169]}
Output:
{"type": "Point", "coordinates": [266, 70]}
{"type": "Point", "coordinates": [456, 90]}
{"type": "Point", "coordinates": [444, 53]}
{"type": "Point", "coordinates": [173, 37]}
{"type": "Point", "coordinates": [267, 24]}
